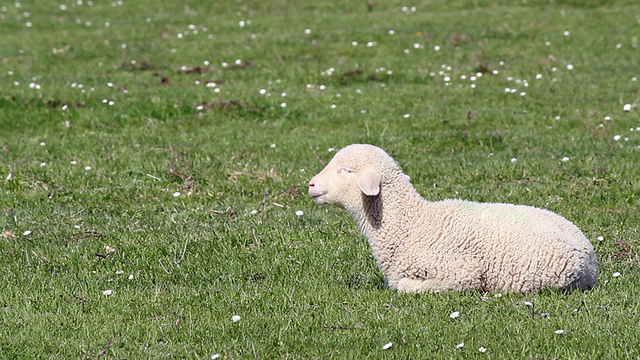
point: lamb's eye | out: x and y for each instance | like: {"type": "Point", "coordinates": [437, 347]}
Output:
{"type": "Point", "coordinates": [345, 170]}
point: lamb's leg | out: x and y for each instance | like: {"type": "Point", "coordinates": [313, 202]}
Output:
{"type": "Point", "coordinates": [406, 285]}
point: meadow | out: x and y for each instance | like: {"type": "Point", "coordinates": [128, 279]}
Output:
{"type": "Point", "coordinates": [155, 155]}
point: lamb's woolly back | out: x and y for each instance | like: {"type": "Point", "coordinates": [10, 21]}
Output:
{"type": "Point", "coordinates": [452, 244]}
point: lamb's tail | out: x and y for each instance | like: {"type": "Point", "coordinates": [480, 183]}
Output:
{"type": "Point", "coordinates": [588, 275]}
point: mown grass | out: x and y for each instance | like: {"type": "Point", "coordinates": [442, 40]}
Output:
{"type": "Point", "coordinates": [304, 286]}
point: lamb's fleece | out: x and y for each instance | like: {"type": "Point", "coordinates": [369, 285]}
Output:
{"type": "Point", "coordinates": [452, 244]}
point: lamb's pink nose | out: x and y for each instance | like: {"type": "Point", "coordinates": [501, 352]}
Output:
{"type": "Point", "coordinates": [313, 188]}
{"type": "Point", "coordinates": [312, 182]}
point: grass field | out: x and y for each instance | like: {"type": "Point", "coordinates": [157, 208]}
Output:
{"type": "Point", "coordinates": [153, 156]}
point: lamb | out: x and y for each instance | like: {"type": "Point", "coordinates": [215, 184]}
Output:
{"type": "Point", "coordinates": [452, 244]}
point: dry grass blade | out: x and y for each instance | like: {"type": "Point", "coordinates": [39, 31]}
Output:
{"type": "Point", "coordinates": [178, 166]}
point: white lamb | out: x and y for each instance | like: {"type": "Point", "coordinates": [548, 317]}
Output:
{"type": "Point", "coordinates": [452, 244]}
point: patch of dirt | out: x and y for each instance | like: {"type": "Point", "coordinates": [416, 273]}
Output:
{"type": "Point", "coordinates": [60, 103]}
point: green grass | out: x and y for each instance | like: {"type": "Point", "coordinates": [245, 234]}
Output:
{"type": "Point", "coordinates": [304, 286]}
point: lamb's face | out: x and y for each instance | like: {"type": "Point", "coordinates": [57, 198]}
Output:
{"type": "Point", "coordinates": [346, 178]}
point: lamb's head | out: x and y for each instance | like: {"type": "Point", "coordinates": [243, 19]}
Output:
{"type": "Point", "coordinates": [355, 171]}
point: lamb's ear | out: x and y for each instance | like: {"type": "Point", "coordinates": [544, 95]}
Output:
{"type": "Point", "coordinates": [369, 182]}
